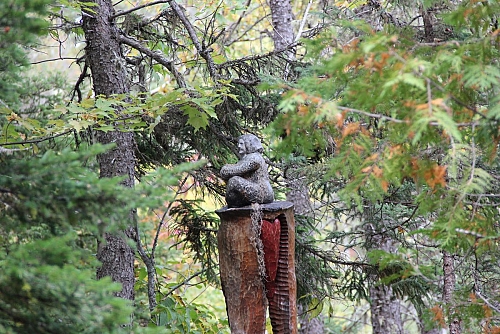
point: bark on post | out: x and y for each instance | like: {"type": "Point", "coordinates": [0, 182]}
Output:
{"type": "Point", "coordinates": [241, 272]}
{"type": "Point", "coordinates": [103, 56]}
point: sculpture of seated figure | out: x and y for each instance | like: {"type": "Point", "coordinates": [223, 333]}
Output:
{"type": "Point", "coordinates": [247, 180]}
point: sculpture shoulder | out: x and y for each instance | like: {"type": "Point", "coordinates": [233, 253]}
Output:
{"type": "Point", "coordinates": [256, 157]}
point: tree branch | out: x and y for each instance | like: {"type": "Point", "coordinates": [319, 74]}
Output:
{"type": "Point", "coordinates": [150, 268]}
{"type": "Point", "coordinates": [330, 259]}
{"type": "Point", "coordinates": [233, 26]}
{"type": "Point", "coordinates": [205, 53]}
{"type": "Point", "coordinates": [175, 287]}
{"type": "Point", "coordinates": [79, 81]}
{"type": "Point", "coordinates": [54, 59]}
{"type": "Point", "coordinates": [125, 12]}
{"type": "Point", "coordinates": [156, 55]}
{"type": "Point", "coordinates": [239, 38]}
{"type": "Point", "coordinates": [301, 28]}
{"type": "Point", "coordinates": [39, 140]}
{"type": "Point", "coordinates": [234, 62]}
{"type": "Point", "coordinates": [10, 151]}
{"type": "Point", "coordinates": [379, 116]}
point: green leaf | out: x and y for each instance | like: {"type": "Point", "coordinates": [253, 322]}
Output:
{"type": "Point", "coordinates": [196, 118]}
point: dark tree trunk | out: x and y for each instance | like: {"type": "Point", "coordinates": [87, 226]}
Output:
{"type": "Point", "coordinates": [103, 56]}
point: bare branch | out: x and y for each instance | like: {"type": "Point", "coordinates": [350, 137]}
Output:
{"type": "Point", "coordinates": [156, 55]}
{"type": "Point", "coordinates": [331, 259]}
{"type": "Point", "coordinates": [487, 302]}
{"type": "Point", "coordinates": [54, 59]}
{"type": "Point", "coordinates": [233, 26]}
{"type": "Point", "coordinates": [10, 150]}
{"type": "Point", "coordinates": [395, 120]}
{"type": "Point", "coordinates": [79, 81]}
{"type": "Point", "coordinates": [125, 12]}
{"type": "Point", "coordinates": [39, 140]}
{"type": "Point", "coordinates": [239, 38]}
{"type": "Point", "coordinates": [301, 28]}
{"type": "Point", "coordinates": [231, 63]}
{"type": "Point", "coordinates": [175, 287]}
{"type": "Point", "coordinates": [150, 268]}
{"type": "Point", "coordinates": [379, 116]}
{"type": "Point", "coordinates": [205, 53]}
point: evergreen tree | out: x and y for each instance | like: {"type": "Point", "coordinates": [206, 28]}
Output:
{"type": "Point", "coordinates": [20, 22]}
{"type": "Point", "coordinates": [403, 129]}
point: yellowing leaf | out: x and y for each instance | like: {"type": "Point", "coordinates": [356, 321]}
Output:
{"type": "Point", "coordinates": [377, 171]}
{"type": "Point", "coordinates": [435, 176]}
{"type": "Point", "coordinates": [350, 128]}
{"type": "Point", "coordinates": [302, 110]}
{"type": "Point", "coordinates": [366, 169]}
{"type": "Point", "coordinates": [87, 103]}
{"type": "Point", "coordinates": [438, 315]}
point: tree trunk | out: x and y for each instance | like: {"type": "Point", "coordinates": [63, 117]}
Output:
{"type": "Point", "coordinates": [282, 16]}
{"type": "Point", "coordinates": [385, 307]}
{"type": "Point", "coordinates": [385, 310]}
{"type": "Point", "coordinates": [448, 288]}
{"type": "Point", "coordinates": [427, 18]}
{"type": "Point", "coordinates": [103, 55]}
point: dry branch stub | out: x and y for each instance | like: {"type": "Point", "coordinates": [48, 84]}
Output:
{"type": "Point", "coordinates": [243, 281]}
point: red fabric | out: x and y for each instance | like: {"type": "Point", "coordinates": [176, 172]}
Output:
{"type": "Point", "coordinates": [270, 235]}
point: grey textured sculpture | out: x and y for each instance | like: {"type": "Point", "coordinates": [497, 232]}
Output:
{"type": "Point", "coordinates": [247, 180]}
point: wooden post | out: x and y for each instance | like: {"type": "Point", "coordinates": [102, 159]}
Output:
{"type": "Point", "coordinates": [242, 281]}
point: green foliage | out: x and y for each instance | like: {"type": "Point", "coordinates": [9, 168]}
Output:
{"type": "Point", "coordinates": [47, 283]}
{"type": "Point", "coordinates": [50, 224]}
{"type": "Point", "coordinates": [198, 233]}
{"type": "Point", "coordinates": [73, 198]}
{"type": "Point", "coordinates": [46, 286]}
{"type": "Point", "coordinates": [399, 139]}
{"type": "Point", "coordinates": [178, 317]}
{"type": "Point", "coordinates": [407, 135]}
{"type": "Point", "coordinates": [20, 22]}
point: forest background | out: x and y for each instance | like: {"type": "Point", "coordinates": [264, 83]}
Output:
{"type": "Point", "coordinates": [380, 121]}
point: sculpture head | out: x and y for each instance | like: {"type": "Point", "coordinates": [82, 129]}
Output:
{"type": "Point", "coordinates": [249, 144]}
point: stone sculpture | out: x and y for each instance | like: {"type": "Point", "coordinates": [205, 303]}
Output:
{"type": "Point", "coordinates": [247, 180]}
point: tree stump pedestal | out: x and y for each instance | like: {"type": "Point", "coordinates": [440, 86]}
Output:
{"type": "Point", "coordinates": [241, 268]}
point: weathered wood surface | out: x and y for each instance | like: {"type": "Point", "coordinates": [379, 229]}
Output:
{"type": "Point", "coordinates": [242, 283]}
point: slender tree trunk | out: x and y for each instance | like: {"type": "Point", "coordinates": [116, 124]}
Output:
{"type": "Point", "coordinates": [103, 55]}
{"type": "Point", "coordinates": [298, 194]}
{"type": "Point", "coordinates": [282, 16]}
{"type": "Point", "coordinates": [448, 288]}
{"type": "Point", "coordinates": [427, 18]}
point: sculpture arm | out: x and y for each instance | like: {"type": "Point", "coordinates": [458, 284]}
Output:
{"type": "Point", "coordinates": [241, 168]}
